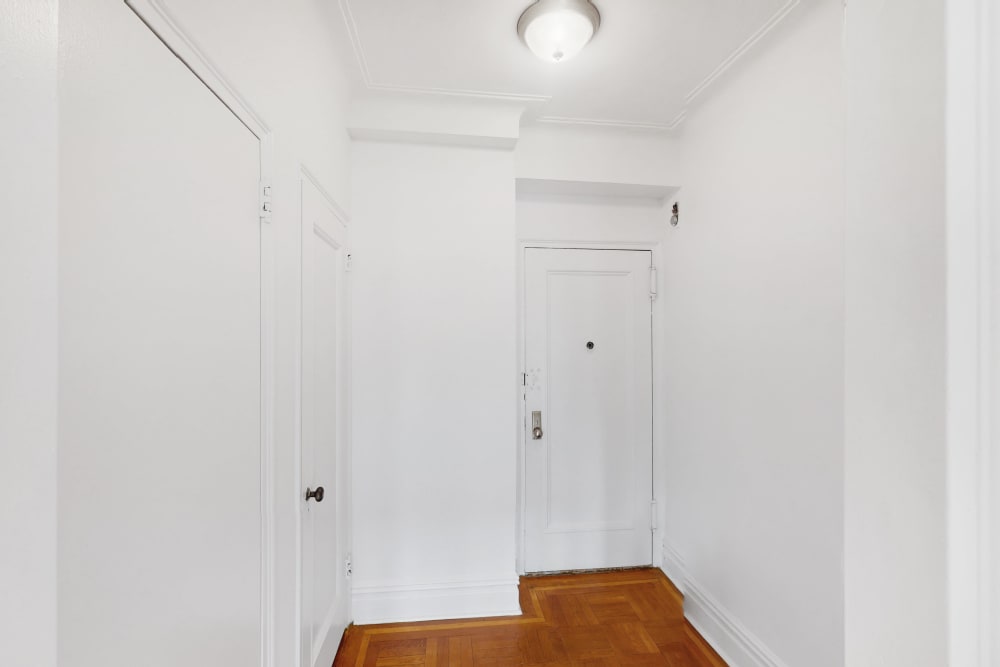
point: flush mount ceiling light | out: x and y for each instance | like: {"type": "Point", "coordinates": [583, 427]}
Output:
{"type": "Point", "coordinates": [556, 30]}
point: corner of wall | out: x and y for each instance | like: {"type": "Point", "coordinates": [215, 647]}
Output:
{"type": "Point", "coordinates": [464, 599]}
{"type": "Point", "coordinates": [730, 638]}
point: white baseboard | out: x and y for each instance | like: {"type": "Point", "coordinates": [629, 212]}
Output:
{"type": "Point", "coordinates": [720, 628]}
{"type": "Point", "coordinates": [432, 602]}
{"type": "Point", "coordinates": [673, 566]}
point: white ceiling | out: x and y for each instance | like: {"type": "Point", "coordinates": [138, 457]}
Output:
{"type": "Point", "coordinates": [648, 62]}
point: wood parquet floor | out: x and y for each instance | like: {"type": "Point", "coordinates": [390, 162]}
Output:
{"type": "Point", "coordinates": [631, 617]}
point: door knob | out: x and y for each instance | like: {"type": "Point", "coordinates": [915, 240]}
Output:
{"type": "Point", "coordinates": [316, 495]}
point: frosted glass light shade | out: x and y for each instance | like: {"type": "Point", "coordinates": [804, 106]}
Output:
{"type": "Point", "coordinates": [556, 30]}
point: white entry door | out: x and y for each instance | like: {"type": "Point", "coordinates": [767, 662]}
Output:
{"type": "Point", "coordinates": [588, 400]}
{"type": "Point", "coordinates": [325, 464]}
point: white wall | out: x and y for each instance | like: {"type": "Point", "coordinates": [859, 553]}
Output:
{"type": "Point", "coordinates": [28, 333]}
{"type": "Point", "coordinates": [608, 155]}
{"type": "Point", "coordinates": [753, 279]}
{"type": "Point", "coordinates": [591, 219]}
{"type": "Point", "coordinates": [282, 58]}
{"type": "Point", "coordinates": [434, 419]}
{"type": "Point", "coordinates": [895, 335]}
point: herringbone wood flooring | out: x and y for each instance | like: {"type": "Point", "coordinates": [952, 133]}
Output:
{"type": "Point", "coordinates": [632, 617]}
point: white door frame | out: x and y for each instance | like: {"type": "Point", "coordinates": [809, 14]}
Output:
{"type": "Point", "coordinates": [162, 23]}
{"type": "Point", "coordinates": [973, 321]}
{"type": "Point", "coordinates": [655, 247]}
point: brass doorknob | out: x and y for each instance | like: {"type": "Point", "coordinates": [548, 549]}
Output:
{"type": "Point", "coordinates": [316, 495]}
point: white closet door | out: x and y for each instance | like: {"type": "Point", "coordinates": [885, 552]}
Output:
{"type": "Point", "coordinates": [325, 446]}
{"type": "Point", "coordinates": [588, 471]}
{"type": "Point", "coordinates": [160, 358]}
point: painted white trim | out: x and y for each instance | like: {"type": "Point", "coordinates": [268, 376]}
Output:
{"type": "Point", "coordinates": [673, 566]}
{"type": "Point", "coordinates": [732, 640]}
{"type": "Point", "coordinates": [616, 124]}
{"type": "Point", "coordinates": [369, 84]}
{"type": "Point", "coordinates": [742, 50]}
{"type": "Point", "coordinates": [268, 565]}
{"type": "Point", "coordinates": [391, 603]}
{"type": "Point", "coordinates": [973, 261]}
{"type": "Point", "coordinates": [356, 46]}
{"type": "Point", "coordinates": [555, 187]}
{"type": "Point", "coordinates": [521, 98]}
{"type": "Point", "coordinates": [431, 138]}
{"type": "Point", "coordinates": [599, 122]}
{"type": "Point", "coordinates": [338, 211]}
{"type": "Point", "coordinates": [162, 23]}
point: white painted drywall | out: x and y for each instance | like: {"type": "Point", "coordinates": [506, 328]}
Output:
{"type": "Point", "coordinates": [435, 120]}
{"type": "Point", "coordinates": [589, 219]}
{"type": "Point", "coordinates": [434, 412]}
{"type": "Point", "coordinates": [753, 280]}
{"type": "Point", "coordinates": [28, 284]}
{"type": "Point", "coordinates": [597, 154]}
{"type": "Point", "coordinates": [895, 335]}
{"type": "Point", "coordinates": [283, 60]}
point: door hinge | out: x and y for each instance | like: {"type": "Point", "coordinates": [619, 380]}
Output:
{"type": "Point", "coordinates": [348, 568]}
{"type": "Point", "coordinates": [652, 282]}
{"type": "Point", "coordinates": [652, 514]}
{"type": "Point", "coordinates": [265, 205]}
{"type": "Point", "coordinates": [524, 379]}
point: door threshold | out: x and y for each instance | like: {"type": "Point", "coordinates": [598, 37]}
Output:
{"type": "Point", "coordinates": [600, 570]}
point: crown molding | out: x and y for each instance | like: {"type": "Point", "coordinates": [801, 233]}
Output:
{"type": "Point", "coordinates": [599, 122]}
{"type": "Point", "coordinates": [355, 37]}
{"type": "Point", "coordinates": [339, 212]}
{"type": "Point", "coordinates": [742, 50]}
{"type": "Point", "coordinates": [616, 124]}
{"type": "Point", "coordinates": [730, 60]}
{"type": "Point", "coordinates": [362, 59]}
{"type": "Point", "coordinates": [465, 94]}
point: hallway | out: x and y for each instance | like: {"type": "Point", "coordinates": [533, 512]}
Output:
{"type": "Point", "coordinates": [630, 617]}
{"type": "Point", "coordinates": [327, 325]}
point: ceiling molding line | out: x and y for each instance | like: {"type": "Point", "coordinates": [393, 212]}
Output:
{"type": "Point", "coordinates": [370, 84]}
{"type": "Point", "coordinates": [742, 50]}
{"type": "Point", "coordinates": [339, 212]}
{"type": "Point", "coordinates": [598, 122]}
{"type": "Point", "coordinates": [359, 51]}
{"type": "Point", "coordinates": [451, 92]}
{"type": "Point", "coordinates": [529, 99]}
